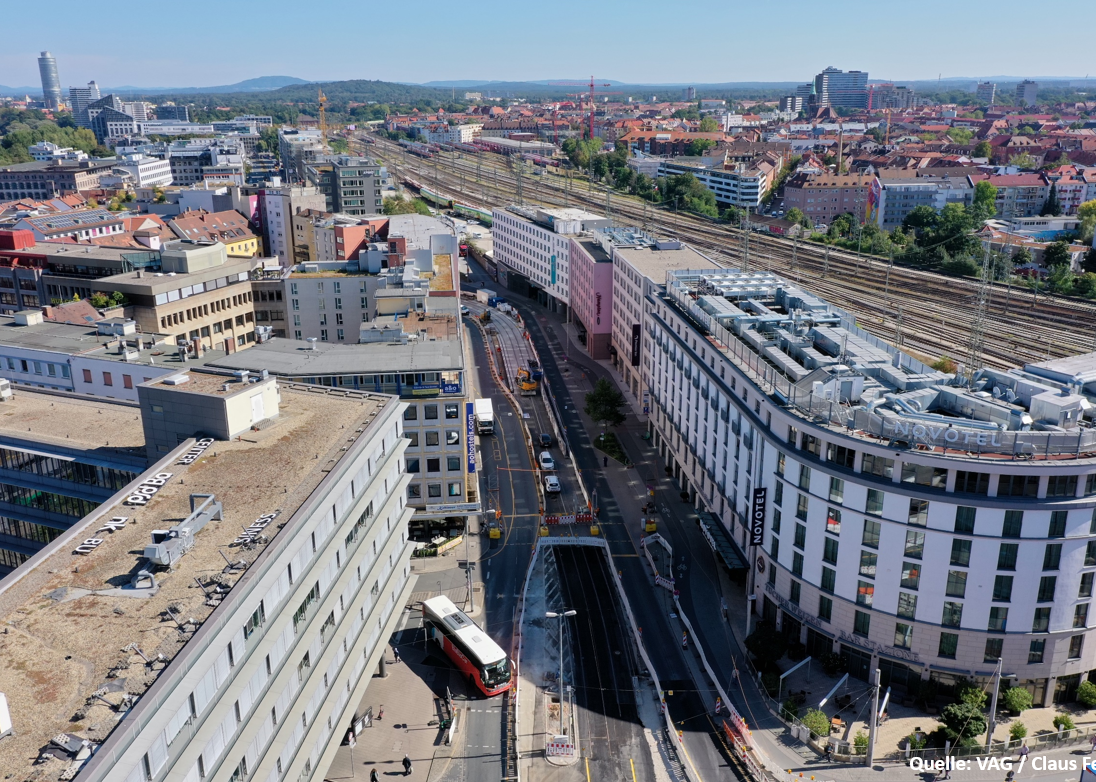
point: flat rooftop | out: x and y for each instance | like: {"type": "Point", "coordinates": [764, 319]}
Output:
{"type": "Point", "coordinates": [72, 422]}
{"type": "Point", "coordinates": [294, 358]}
{"type": "Point", "coordinates": [654, 263]}
{"type": "Point", "coordinates": [69, 619]}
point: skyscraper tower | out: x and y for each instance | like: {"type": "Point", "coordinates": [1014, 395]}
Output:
{"type": "Point", "coordinates": [51, 82]}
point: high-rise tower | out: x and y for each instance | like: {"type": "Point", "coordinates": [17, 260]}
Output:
{"type": "Point", "coordinates": [51, 82]}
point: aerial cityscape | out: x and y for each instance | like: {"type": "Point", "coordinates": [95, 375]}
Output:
{"type": "Point", "coordinates": [545, 429]}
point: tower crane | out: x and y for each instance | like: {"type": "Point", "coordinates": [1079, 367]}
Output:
{"type": "Point", "coordinates": [323, 117]}
{"type": "Point", "coordinates": [593, 85]}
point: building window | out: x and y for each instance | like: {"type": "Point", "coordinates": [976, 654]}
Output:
{"type": "Point", "coordinates": [949, 644]}
{"type": "Point", "coordinates": [998, 618]}
{"type": "Point", "coordinates": [1080, 615]}
{"type": "Point", "coordinates": [833, 521]}
{"type": "Point", "coordinates": [411, 413]}
{"type": "Point", "coordinates": [957, 583]}
{"type": "Point", "coordinates": [414, 491]}
{"type": "Point", "coordinates": [1052, 556]}
{"type": "Point", "coordinates": [779, 462]}
{"type": "Point", "coordinates": [964, 520]}
{"type": "Point", "coordinates": [107, 380]}
{"type": "Point", "coordinates": [1085, 588]}
{"type": "Point", "coordinates": [452, 463]}
{"type": "Point", "coordinates": [874, 505]}
{"type": "Point", "coordinates": [919, 512]}
{"type": "Point", "coordinates": [971, 482]}
{"type": "Point", "coordinates": [903, 635]}
{"type": "Point", "coordinates": [87, 374]}
{"type": "Point", "coordinates": [430, 412]}
{"type": "Point", "coordinates": [1006, 556]}
{"type": "Point", "coordinates": [911, 575]}
{"type": "Point", "coordinates": [825, 608]}
{"type": "Point", "coordinates": [953, 614]}
{"type": "Point", "coordinates": [452, 411]}
{"type": "Point", "coordinates": [1041, 622]}
{"type": "Point", "coordinates": [1035, 650]}
{"type": "Point", "coordinates": [829, 551]}
{"type": "Point", "coordinates": [861, 624]}
{"type": "Point", "coordinates": [870, 537]}
{"type": "Point", "coordinates": [433, 489]}
{"type": "Point", "coordinates": [1062, 486]}
{"type": "Point", "coordinates": [869, 562]}
{"type": "Point", "coordinates": [915, 544]}
{"type": "Point", "coordinates": [801, 507]}
{"type": "Point", "coordinates": [795, 593]}
{"type": "Point", "coordinates": [413, 464]}
{"type": "Point", "coordinates": [839, 454]}
{"type": "Point", "coordinates": [877, 465]}
{"type": "Point", "coordinates": [923, 475]}
{"type": "Point", "coordinates": [865, 591]}
{"type": "Point", "coordinates": [907, 605]}
{"type": "Point", "coordinates": [1014, 524]}
{"type": "Point", "coordinates": [1076, 644]}
{"type": "Point", "coordinates": [1090, 554]}
{"type": "Point", "coordinates": [774, 548]}
{"type": "Point", "coordinates": [804, 477]}
{"type": "Point", "coordinates": [1046, 589]}
{"type": "Point", "coordinates": [797, 564]}
{"type": "Point", "coordinates": [837, 490]}
{"type": "Point", "coordinates": [960, 552]}
{"type": "Point", "coordinates": [1057, 528]}
{"type": "Point", "coordinates": [829, 579]}
{"type": "Point", "coordinates": [433, 438]}
{"type": "Point", "coordinates": [456, 489]}
{"type": "Point", "coordinates": [433, 465]}
{"type": "Point", "coordinates": [994, 647]}
{"type": "Point", "coordinates": [1018, 486]}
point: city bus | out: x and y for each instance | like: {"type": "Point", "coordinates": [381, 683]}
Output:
{"type": "Point", "coordinates": [480, 659]}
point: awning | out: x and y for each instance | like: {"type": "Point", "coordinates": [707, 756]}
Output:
{"type": "Point", "coordinates": [721, 541]}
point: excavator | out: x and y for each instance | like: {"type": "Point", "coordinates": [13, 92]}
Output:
{"type": "Point", "coordinates": [526, 385]}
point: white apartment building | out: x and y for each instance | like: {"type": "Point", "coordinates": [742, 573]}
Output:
{"type": "Point", "coordinates": [146, 171]}
{"type": "Point", "coordinates": [277, 205]}
{"type": "Point", "coordinates": [742, 187]}
{"type": "Point", "coordinates": [908, 523]}
{"type": "Point", "coordinates": [534, 244]}
{"type": "Point", "coordinates": [451, 134]}
{"type": "Point", "coordinates": [265, 680]}
{"type": "Point", "coordinates": [47, 150]}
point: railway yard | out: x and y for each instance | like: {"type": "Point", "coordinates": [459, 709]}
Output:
{"type": "Point", "coordinates": [927, 314]}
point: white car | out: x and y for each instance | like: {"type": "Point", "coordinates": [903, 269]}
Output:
{"type": "Point", "coordinates": [551, 484]}
{"type": "Point", "coordinates": [464, 310]}
{"type": "Point", "coordinates": [546, 461]}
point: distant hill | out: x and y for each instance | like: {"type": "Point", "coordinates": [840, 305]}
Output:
{"type": "Point", "coordinates": [260, 84]}
{"type": "Point", "coordinates": [339, 93]}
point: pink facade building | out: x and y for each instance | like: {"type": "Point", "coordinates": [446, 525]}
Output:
{"type": "Point", "coordinates": [592, 295]}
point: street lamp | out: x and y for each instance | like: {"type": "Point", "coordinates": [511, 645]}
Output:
{"type": "Point", "coordinates": [562, 616]}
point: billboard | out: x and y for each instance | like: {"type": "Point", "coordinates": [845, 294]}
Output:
{"type": "Point", "coordinates": [635, 344]}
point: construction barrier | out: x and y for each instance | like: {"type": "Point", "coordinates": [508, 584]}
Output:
{"type": "Point", "coordinates": [560, 746]}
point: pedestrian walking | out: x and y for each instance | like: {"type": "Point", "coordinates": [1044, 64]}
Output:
{"type": "Point", "coordinates": [829, 753]}
{"type": "Point", "coordinates": [374, 776]}
{"type": "Point", "coordinates": [396, 653]}
{"type": "Point", "coordinates": [380, 712]}
{"type": "Point", "coordinates": [1024, 750]}
{"type": "Point", "coordinates": [406, 766]}
{"type": "Point", "coordinates": [1094, 742]}
{"type": "Point", "coordinates": [605, 461]}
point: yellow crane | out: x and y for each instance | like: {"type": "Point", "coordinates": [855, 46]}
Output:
{"type": "Point", "coordinates": [323, 117]}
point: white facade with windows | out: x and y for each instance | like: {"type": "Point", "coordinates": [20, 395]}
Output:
{"type": "Point", "coordinates": [744, 188]}
{"type": "Point", "coordinates": [146, 171]}
{"type": "Point", "coordinates": [911, 523]}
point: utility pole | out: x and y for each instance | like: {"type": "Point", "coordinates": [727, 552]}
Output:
{"type": "Point", "coordinates": [795, 249]}
{"type": "Point", "coordinates": [873, 725]}
{"type": "Point", "coordinates": [826, 263]}
{"type": "Point", "coordinates": [746, 240]}
{"type": "Point", "coordinates": [993, 704]}
{"type": "Point", "coordinates": [609, 205]}
{"type": "Point", "coordinates": [978, 324]}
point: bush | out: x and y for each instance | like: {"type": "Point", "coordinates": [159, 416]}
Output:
{"type": "Point", "coordinates": [860, 743]}
{"type": "Point", "coordinates": [915, 742]}
{"type": "Point", "coordinates": [946, 365]}
{"type": "Point", "coordinates": [817, 722]}
{"type": "Point", "coordinates": [1063, 722]}
{"type": "Point", "coordinates": [790, 709]}
{"type": "Point", "coordinates": [1086, 694]}
{"type": "Point", "coordinates": [1016, 699]}
{"type": "Point", "coordinates": [833, 664]}
{"type": "Point", "coordinates": [926, 694]}
{"type": "Point", "coordinates": [796, 651]}
{"type": "Point", "coordinates": [960, 267]}
{"type": "Point", "coordinates": [771, 682]}
{"type": "Point", "coordinates": [1017, 731]}
{"type": "Point", "coordinates": [963, 721]}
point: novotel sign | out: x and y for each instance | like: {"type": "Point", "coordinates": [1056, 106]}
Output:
{"type": "Point", "coordinates": [757, 517]}
{"type": "Point", "coordinates": [947, 434]}
{"type": "Point", "coordinates": [148, 488]}
{"type": "Point", "coordinates": [196, 451]}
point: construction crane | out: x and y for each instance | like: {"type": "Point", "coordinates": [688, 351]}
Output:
{"type": "Point", "coordinates": [886, 139]}
{"type": "Point", "coordinates": [323, 117]}
{"type": "Point", "coordinates": [593, 86]}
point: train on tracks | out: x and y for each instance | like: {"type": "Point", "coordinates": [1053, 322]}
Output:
{"type": "Point", "coordinates": [445, 202]}
{"type": "Point", "coordinates": [417, 149]}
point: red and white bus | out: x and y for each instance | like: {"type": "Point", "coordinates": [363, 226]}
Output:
{"type": "Point", "coordinates": [479, 658]}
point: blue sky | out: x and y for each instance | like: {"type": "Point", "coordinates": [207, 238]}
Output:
{"type": "Point", "coordinates": [202, 42]}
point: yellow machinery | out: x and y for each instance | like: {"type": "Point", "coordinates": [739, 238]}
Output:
{"type": "Point", "coordinates": [544, 530]}
{"type": "Point", "coordinates": [649, 525]}
{"type": "Point", "coordinates": [526, 385]}
{"type": "Point", "coordinates": [595, 529]}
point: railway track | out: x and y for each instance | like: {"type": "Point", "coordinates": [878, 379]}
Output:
{"type": "Point", "coordinates": [925, 313]}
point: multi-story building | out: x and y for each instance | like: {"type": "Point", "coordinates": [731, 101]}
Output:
{"type": "Point", "coordinates": [822, 197]}
{"type": "Point", "coordinates": [840, 89]}
{"type": "Point", "coordinates": [140, 110]}
{"type": "Point", "coordinates": [171, 111]}
{"type": "Point", "coordinates": [688, 93]}
{"type": "Point", "coordinates": [47, 151]}
{"type": "Point", "coordinates": [145, 171]}
{"type": "Point", "coordinates": [322, 236]}
{"type": "Point", "coordinates": [985, 92]}
{"type": "Point", "coordinates": [82, 97]}
{"type": "Point", "coordinates": [196, 161]}
{"type": "Point", "coordinates": [592, 295]}
{"type": "Point", "coordinates": [666, 142]}
{"type": "Point", "coordinates": [258, 120]}
{"type": "Point", "coordinates": [43, 180]}
{"type": "Point", "coordinates": [229, 228]}
{"type": "Point", "coordinates": [739, 185]}
{"type": "Point", "coordinates": [886, 512]}
{"type": "Point", "coordinates": [640, 265]}
{"type": "Point", "coordinates": [444, 133]}
{"type": "Point", "coordinates": [51, 82]}
{"type": "Point", "coordinates": [532, 249]}
{"type": "Point", "coordinates": [174, 127]}
{"type": "Point", "coordinates": [265, 682]}
{"type": "Point", "coordinates": [889, 96]}
{"type": "Point", "coordinates": [1020, 195]}
{"type": "Point", "coordinates": [109, 124]}
{"type": "Point", "coordinates": [1027, 92]}
{"type": "Point", "coordinates": [76, 224]}
{"type": "Point", "coordinates": [351, 185]}
{"type": "Point", "coordinates": [298, 148]}
{"type": "Point", "coordinates": [277, 203]}
{"type": "Point", "coordinates": [890, 200]}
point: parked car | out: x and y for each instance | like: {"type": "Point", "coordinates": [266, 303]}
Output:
{"type": "Point", "coordinates": [546, 461]}
{"type": "Point", "coordinates": [551, 484]}
{"type": "Point", "coordinates": [546, 440]}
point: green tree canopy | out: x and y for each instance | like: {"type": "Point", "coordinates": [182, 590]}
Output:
{"type": "Point", "coordinates": [982, 149]}
{"type": "Point", "coordinates": [605, 404]}
{"type": "Point", "coordinates": [709, 125]}
{"type": "Point", "coordinates": [1023, 160]}
{"type": "Point", "coordinates": [1053, 205]}
{"type": "Point", "coordinates": [961, 135]}
{"type": "Point", "coordinates": [795, 215]}
{"type": "Point", "coordinates": [1057, 254]}
{"type": "Point", "coordinates": [698, 146]}
{"type": "Point", "coordinates": [394, 205]}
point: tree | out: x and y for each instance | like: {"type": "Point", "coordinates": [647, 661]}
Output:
{"type": "Point", "coordinates": [984, 205]}
{"type": "Point", "coordinates": [1087, 213]}
{"type": "Point", "coordinates": [1022, 257]}
{"type": "Point", "coordinates": [766, 643]}
{"type": "Point", "coordinates": [1089, 262]}
{"type": "Point", "coordinates": [699, 146]}
{"type": "Point", "coordinates": [1086, 694]}
{"type": "Point", "coordinates": [963, 722]}
{"type": "Point", "coordinates": [99, 301]}
{"type": "Point", "coordinates": [1016, 700]}
{"type": "Point", "coordinates": [604, 404]}
{"type": "Point", "coordinates": [817, 722]}
{"type": "Point", "coordinates": [982, 149]}
{"type": "Point", "coordinates": [961, 267]}
{"type": "Point", "coordinates": [1085, 285]}
{"type": "Point", "coordinates": [1023, 160]}
{"type": "Point", "coordinates": [1057, 254]}
{"type": "Point", "coordinates": [961, 135]}
{"type": "Point", "coordinates": [1053, 206]}
{"type": "Point", "coordinates": [394, 205]}
{"type": "Point", "coordinates": [709, 125]}
{"type": "Point", "coordinates": [921, 219]}
{"type": "Point", "coordinates": [795, 215]}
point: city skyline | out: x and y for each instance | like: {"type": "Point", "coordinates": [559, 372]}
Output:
{"type": "Point", "coordinates": [519, 51]}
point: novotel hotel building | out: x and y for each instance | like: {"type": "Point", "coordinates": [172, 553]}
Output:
{"type": "Point", "coordinates": [923, 523]}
